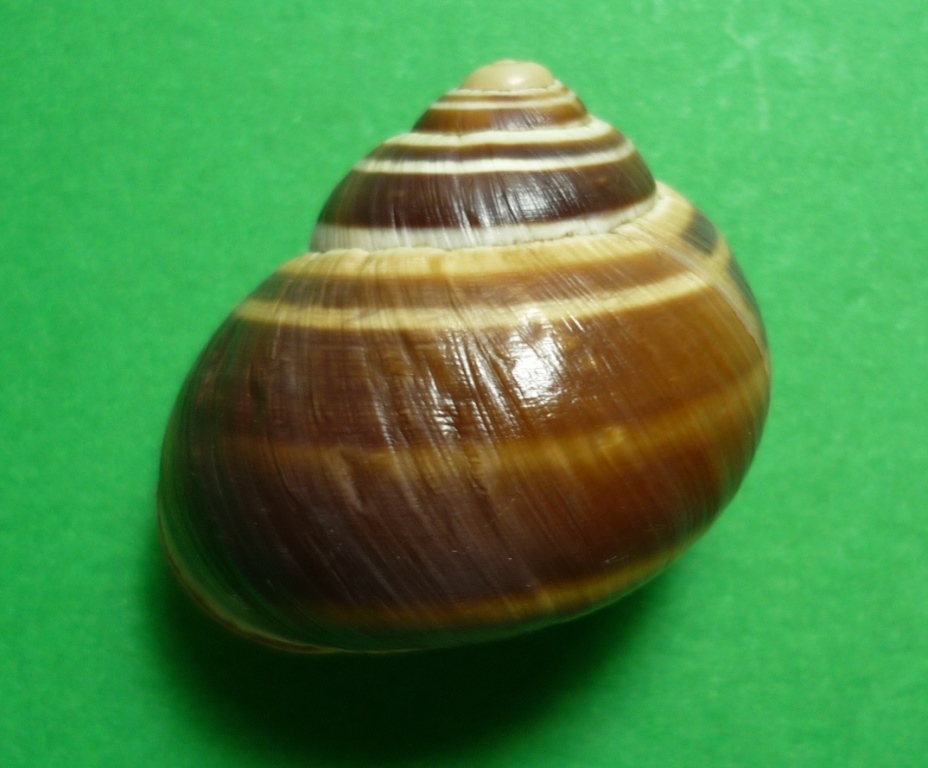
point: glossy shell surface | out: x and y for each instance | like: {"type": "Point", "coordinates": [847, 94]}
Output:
{"type": "Point", "coordinates": [514, 379]}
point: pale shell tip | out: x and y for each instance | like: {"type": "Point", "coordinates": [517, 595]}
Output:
{"type": "Point", "coordinates": [509, 75]}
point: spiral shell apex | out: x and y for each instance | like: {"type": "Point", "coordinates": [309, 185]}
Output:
{"type": "Point", "coordinates": [490, 167]}
{"type": "Point", "coordinates": [514, 379]}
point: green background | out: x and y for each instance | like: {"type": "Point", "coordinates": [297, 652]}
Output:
{"type": "Point", "coordinates": [158, 159]}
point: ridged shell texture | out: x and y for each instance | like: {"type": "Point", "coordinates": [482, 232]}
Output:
{"type": "Point", "coordinates": [513, 380]}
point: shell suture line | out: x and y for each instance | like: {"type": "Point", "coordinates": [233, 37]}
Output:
{"type": "Point", "coordinates": [489, 106]}
{"type": "Point", "coordinates": [556, 87]}
{"type": "Point", "coordinates": [575, 130]}
{"type": "Point", "coordinates": [487, 316]}
{"type": "Point", "coordinates": [496, 165]}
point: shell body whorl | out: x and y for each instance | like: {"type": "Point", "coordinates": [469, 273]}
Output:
{"type": "Point", "coordinates": [515, 379]}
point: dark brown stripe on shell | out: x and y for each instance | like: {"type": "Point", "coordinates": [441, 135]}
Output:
{"type": "Point", "coordinates": [519, 118]}
{"type": "Point", "coordinates": [701, 233]}
{"type": "Point", "coordinates": [738, 278]}
{"type": "Point", "coordinates": [487, 199]}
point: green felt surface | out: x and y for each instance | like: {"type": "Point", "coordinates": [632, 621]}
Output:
{"type": "Point", "coordinates": [158, 159]}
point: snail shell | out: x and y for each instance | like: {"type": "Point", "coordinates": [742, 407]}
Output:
{"type": "Point", "coordinates": [515, 379]}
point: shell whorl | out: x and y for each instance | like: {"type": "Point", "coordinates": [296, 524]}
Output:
{"type": "Point", "coordinates": [388, 447]}
{"type": "Point", "coordinates": [510, 156]}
